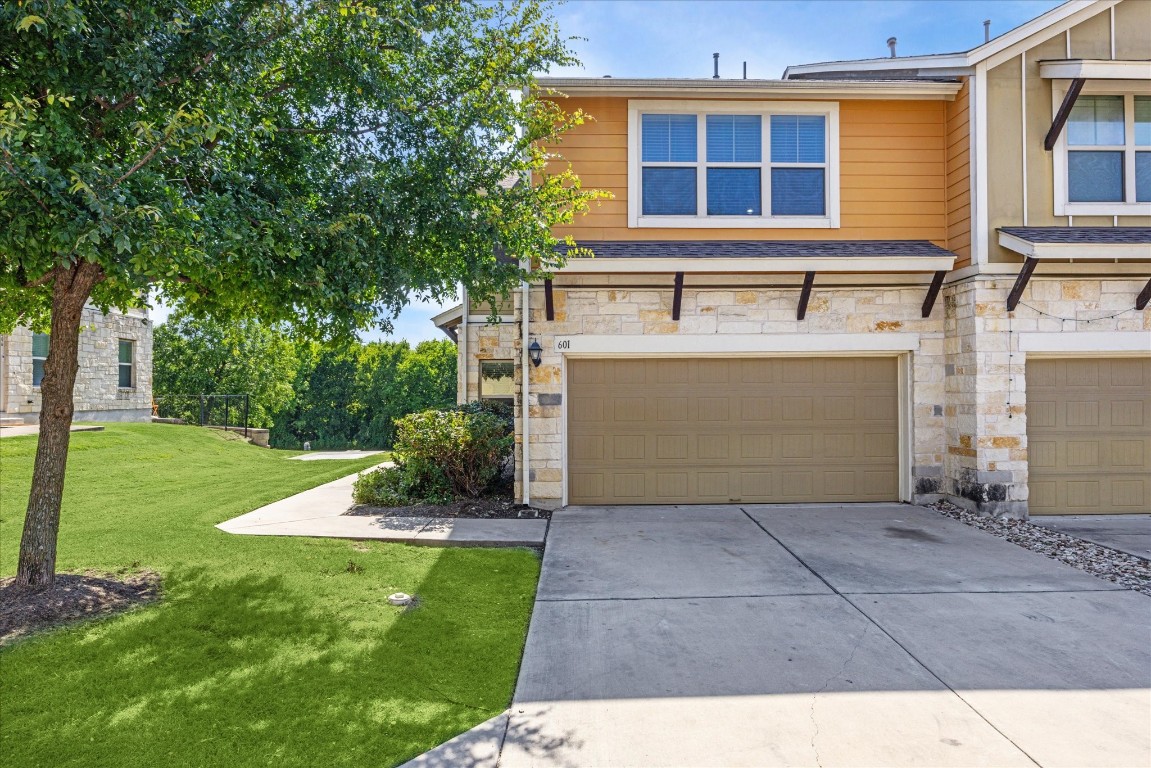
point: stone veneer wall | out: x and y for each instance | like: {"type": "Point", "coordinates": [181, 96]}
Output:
{"type": "Point", "coordinates": [97, 396]}
{"type": "Point", "coordinates": [985, 466]}
{"type": "Point", "coordinates": [708, 311]}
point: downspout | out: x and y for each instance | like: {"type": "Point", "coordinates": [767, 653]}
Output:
{"type": "Point", "coordinates": [525, 364]}
{"type": "Point", "coordinates": [463, 343]}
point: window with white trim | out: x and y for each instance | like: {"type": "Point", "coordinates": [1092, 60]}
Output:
{"type": "Point", "coordinates": [497, 380]}
{"type": "Point", "coordinates": [733, 164]}
{"type": "Point", "coordinates": [40, 343]}
{"type": "Point", "coordinates": [1104, 165]}
{"type": "Point", "coordinates": [126, 367]}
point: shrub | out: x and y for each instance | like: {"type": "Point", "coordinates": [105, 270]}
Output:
{"type": "Point", "coordinates": [441, 455]}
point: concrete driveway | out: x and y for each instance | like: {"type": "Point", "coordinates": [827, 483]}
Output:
{"type": "Point", "coordinates": [818, 635]}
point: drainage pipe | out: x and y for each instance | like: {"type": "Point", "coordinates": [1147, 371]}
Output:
{"type": "Point", "coordinates": [525, 365]}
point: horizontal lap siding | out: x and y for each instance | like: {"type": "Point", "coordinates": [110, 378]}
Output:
{"type": "Point", "coordinates": [959, 177]}
{"type": "Point", "coordinates": [893, 175]}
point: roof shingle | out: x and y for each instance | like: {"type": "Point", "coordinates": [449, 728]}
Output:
{"type": "Point", "coordinates": [757, 249]}
{"type": "Point", "coordinates": [1082, 235]}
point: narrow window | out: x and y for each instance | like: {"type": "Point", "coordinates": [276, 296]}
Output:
{"type": "Point", "coordinates": [668, 155]}
{"type": "Point", "coordinates": [733, 140]}
{"type": "Point", "coordinates": [798, 165]}
{"type": "Point", "coordinates": [127, 349]}
{"type": "Point", "coordinates": [1143, 149]}
{"type": "Point", "coordinates": [1095, 168]}
{"type": "Point", "coordinates": [39, 356]}
{"type": "Point", "coordinates": [497, 380]}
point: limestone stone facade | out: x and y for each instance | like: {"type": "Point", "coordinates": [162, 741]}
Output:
{"type": "Point", "coordinates": [964, 379]}
{"type": "Point", "coordinates": [986, 460]}
{"type": "Point", "coordinates": [98, 396]}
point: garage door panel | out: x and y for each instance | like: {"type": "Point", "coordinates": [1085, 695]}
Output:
{"type": "Point", "coordinates": [1089, 442]}
{"type": "Point", "coordinates": [720, 430]}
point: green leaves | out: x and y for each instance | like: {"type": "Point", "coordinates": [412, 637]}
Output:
{"type": "Point", "coordinates": [309, 163]}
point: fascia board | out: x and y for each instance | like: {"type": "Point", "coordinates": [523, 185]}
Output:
{"type": "Point", "coordinates": [751, 265]}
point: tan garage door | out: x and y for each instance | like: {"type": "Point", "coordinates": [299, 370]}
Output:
{"type": "Point", "coordinates": [1089, 436]}
{"type": "Point", "coordinates": [739, 430]}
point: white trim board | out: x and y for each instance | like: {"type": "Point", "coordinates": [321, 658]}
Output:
{"type": "Point", "coordinates": [727, 345]}
{"type": "Point", "coordinates": [766, 265]}
{"type": "Point", "coordinates": [1095, 69]}
{"type": "Point", "coordinates": [1097, 342]}
{"type": "Point", "coordinates": [1140, 251]}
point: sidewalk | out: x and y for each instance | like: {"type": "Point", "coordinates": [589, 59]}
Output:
{"type": "Point", "coordinates": [320, 512]}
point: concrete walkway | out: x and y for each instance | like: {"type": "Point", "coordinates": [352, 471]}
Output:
{"type": "Point", "coordinates": [320, 512]}
{"type": "Point", "coordinates": [1126, 533]}
{"type": "Point", "coordinates": [816, 635]}
{"type": "Point", "coordinates": [333, 455]}
{"type": "Point", "coordinates": [34, 429]}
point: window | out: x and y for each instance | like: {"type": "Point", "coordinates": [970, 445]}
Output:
{"type": "Point", "coordinates": [497, 380]}
{"type": "Point", "coordinates": [733, 164]}
{"type": "Point", "coordinates": [39, 356]}
{"type": "Point", "coordinates": [126, 355]}
{"type": "Point", "coordinates": [1104, 166]}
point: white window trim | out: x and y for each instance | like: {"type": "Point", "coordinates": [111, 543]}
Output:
{"type": "Point", "coordinates": [131, 365]}
{"type": "Point", "coordinates": [1063, 207]}
{"type": "Point", "coordinates": [636, 107]}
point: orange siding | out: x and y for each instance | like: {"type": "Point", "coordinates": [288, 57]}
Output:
{"type": "Point", "coordinates": [959, 178]}
{"type": "Point", "coordinates": [893, 175]}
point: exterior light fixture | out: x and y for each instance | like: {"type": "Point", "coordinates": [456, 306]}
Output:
{"type": "Point", "coordinates": [536, 353]}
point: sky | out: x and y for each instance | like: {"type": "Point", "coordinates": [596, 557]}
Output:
{"type": "Point", "coordinates": [676, 38]}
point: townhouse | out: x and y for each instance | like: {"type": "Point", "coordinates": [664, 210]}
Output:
{"type": "Point", "coordinates": [894, 279]}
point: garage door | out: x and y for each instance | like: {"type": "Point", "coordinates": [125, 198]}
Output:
{"type": "Point", "coordinates": [1089, 436]}
{"type": "Point", "coordinates": [660, 431]}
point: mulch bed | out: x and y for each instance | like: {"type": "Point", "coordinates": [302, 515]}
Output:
{"type": "Point", "coordinates": [75, 597]}
{"type": "Point", "coordinates": [493, 508]}
{"type": "Point", "coordinates": [1118, 567]}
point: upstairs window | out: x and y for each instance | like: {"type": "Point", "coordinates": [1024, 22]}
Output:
{"type": "Point", "coordinates": [39, 357]}
{"type": "Point", "coordinates": [1106, 157]}
{"type": "Point", "coordinates": [733, 164]}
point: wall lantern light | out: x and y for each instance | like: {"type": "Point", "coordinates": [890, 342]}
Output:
{"type": "Point", "coordinates": [535, 353]}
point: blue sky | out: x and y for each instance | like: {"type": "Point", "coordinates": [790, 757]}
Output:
{"type": "Point", "coordinates": [676, 38]}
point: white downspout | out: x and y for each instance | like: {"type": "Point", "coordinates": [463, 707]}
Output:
{"type": "Point", "coordinates": [463, 344]}
{"type": "Point", "coordinates": [525, 472]}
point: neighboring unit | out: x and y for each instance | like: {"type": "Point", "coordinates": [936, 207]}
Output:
{"type": "Point", "coordinates": [894, 279]}
{"type": "Point", "coordinates": [114, 381]}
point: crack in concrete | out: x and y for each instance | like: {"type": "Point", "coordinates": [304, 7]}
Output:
{"type": "Point", "coordinates": [826, 684]}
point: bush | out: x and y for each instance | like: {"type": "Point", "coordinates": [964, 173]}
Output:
{"type": "Point", "coordinates": [439, 456]}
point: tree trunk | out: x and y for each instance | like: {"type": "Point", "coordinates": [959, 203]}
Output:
{"type": "Point", "coordinates": [71, 288]}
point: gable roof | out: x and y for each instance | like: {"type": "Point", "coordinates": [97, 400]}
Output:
{"type": "Point", "coordinates": [961, 62]}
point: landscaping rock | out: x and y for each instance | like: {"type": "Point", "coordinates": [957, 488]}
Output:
{"type": "Point", "coordinates": [1112, 565]}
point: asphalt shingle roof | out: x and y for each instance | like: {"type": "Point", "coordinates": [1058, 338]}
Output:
{"type": "Point", "coordinates": [757, 249]}
{"type": "Point", "coordinates": [1082, 235]}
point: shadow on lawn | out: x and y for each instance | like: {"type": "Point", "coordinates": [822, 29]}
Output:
{"type": "Point", "coordinates": [234, 672]}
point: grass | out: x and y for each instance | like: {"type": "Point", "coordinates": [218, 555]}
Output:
{"type": "Point", "coordinates": [263, 651]}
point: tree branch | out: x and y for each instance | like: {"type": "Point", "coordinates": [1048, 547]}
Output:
{"type": "Point", "coordinates": [12, 170]}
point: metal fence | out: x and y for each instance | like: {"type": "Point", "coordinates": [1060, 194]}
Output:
{"type": "Point", "coordinates": [214, 410]}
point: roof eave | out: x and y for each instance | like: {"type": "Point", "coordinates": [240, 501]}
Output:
{"type": "Point", "coordinates": [640, 87]}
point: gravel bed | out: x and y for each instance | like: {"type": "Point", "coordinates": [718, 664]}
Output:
{"type": "Point", "coordinates": [1112, 565]}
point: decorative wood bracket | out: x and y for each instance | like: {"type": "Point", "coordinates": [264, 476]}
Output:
{"type": "Point", "coordinates": [1021, 283]}
{"type": "Point", "coordinates": [1144, 296]}
{"type": "Point", "coordinates": [549, 301]}
{"type": "Point", "coordinates": [1063, 113]}
{"type": "Point", "coordinates": [804, 295]}
{"type": "Point", "coordinates": [677, 297]}
{"type": "Point", "coordinates": [933, 292]}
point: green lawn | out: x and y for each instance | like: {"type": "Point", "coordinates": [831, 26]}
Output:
{"type": "Point", "coordinates": [263, 651]}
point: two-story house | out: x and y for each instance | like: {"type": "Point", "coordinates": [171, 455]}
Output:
{"type": "Point", "coordinates": [114, 380]}
{"type": "Point", "coordinates": [894, 279]}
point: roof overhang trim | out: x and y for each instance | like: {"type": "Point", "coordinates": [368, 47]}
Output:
{"type": "Point", "coordinates": [757, 265]}
{"type": "Point", "coordinates": [1034, 250]}
{"type": "Point", "coordinates": [781, 89]}
{"type": "Point", "coordinates": [1094, 69]}
{"type": "Point", "coordinates": [448, 320]}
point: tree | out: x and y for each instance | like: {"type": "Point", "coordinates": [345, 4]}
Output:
{"type": "Point", "coordinates": [401, 380]}
{"type": "Point", "coordinates": [193, 357]}
{"type": "Point", "coordinates": [302, 161]}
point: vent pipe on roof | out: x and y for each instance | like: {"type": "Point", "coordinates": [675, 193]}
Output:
{"type": "Point", "coordinates": [891, 45]}
{"type": "Point", "coordinates": [987, 30]}
{"type": "Point", "coordinates": [745, 70]}
{"type": "Point", "coordinates": [715, 64]}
